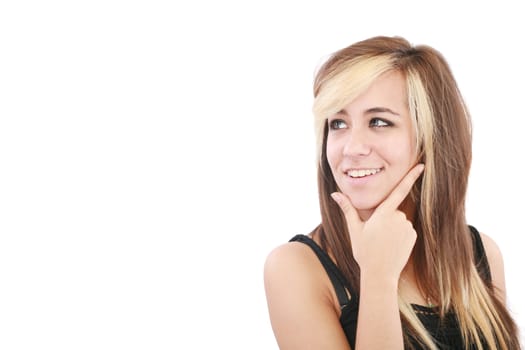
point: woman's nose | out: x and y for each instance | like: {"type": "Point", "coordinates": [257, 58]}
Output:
{"type": "Point", "coordinates": [357, 144]}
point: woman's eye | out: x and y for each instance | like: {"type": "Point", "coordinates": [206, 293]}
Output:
{"type": "Point", "coordinates": [376, 122]}
{"type": "Point", "coordinates": [337, 124]}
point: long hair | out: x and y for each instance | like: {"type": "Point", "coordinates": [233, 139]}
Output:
{"type": "Point", "coordinates": [443, 253]}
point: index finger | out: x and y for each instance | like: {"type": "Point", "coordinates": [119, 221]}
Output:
{"type": "Point", "coordinates": [350, 213]}
{"type": "Point", "coordinates": [400, 192]}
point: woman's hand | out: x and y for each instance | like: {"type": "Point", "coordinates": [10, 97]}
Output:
{"type": "Point", "coordinates": [382, 244]}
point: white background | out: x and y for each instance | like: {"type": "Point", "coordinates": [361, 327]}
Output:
{"type": "Point", "coordinates": [153, 153]}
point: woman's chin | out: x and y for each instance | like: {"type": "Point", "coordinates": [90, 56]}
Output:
{"type": "Point", "coordinates": [364, 205]}
{"type": "Point", "coordinates": [365, 211]}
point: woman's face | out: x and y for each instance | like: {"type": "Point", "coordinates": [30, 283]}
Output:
{"type": "Point", "coordinates": [371, 143]}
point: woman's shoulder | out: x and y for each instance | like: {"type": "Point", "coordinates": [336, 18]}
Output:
{"type": "Point", "coordinates": [294, 267]}
{"type": "Point", "coordinates": [491, 247]}
{"type": "Point", "coordinates": [302, 305]}
{"type": "Point", "coordinates": [292, 258]}
{"type": "Point", "coordinates": [495, 260]}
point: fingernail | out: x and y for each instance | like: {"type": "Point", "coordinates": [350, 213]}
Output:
{"type": "Point", "coordinates": [336, 197]}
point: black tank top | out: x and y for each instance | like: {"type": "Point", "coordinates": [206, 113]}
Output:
{"type": "Point", "coordinates": [446, 332]}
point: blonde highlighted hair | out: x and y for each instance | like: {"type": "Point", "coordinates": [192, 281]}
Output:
{"type": "Point", "coordinates": [443, 253]}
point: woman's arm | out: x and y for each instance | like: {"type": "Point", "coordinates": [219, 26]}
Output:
{"type": "Point", "coordinates": [379, 322]}
{"type": "Point", "coordinates": [304, 311]}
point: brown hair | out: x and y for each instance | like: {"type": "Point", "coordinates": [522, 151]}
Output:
{"type": "Point", "coordinates": [443, 253]}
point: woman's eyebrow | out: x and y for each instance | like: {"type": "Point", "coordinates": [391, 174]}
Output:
{"type": "Point", "coordinates": [380, 110]}
{"type": "Point", "coordinates": [372, 110]}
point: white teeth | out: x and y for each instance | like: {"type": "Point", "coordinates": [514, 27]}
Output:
{"type": "Point", "coordinates": [362, 172]}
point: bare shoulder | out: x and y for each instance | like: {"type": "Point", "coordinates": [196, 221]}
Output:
{"type": "Point", "coordinates": [294, 266]}
{"type": "Point", "coordinates": [495, 259]}
{"type": "Point", "coordinates": [293, 257]}
{"type": "Point", "coordinates": [292, 252]}
{"type": "Point", "coordinates": [300, 302]}
{"type": "Point", "coordinates": [491, 247]}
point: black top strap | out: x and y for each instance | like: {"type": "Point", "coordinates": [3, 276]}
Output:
{"type": "Point", "coordinates": [482, 263]}
{"type": "Point", "coordinates": [336, 277]}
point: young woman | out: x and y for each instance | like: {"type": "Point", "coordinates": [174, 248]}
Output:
{"type": "Point", "coordinates": [393, 264]}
